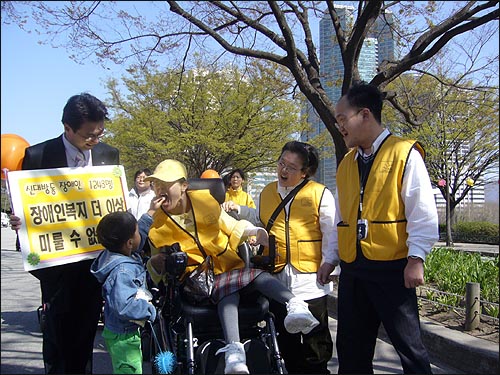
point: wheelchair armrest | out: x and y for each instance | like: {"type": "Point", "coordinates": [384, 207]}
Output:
{"type": "Point", "coordinates": [245, 253]}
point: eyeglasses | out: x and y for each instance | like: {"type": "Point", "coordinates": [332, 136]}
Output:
{"type": "Point", "coordinates": [290, 169]}
{"type": "Point", "coordinates": [342, 120]}
{"type": "Point", "coordinates": [91, 137]}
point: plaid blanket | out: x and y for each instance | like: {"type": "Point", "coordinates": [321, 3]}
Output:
{"type": "Point", "coordinates": [229, 282]}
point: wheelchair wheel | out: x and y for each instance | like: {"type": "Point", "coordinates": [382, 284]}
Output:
{"type": "Point", "coordinates": [146, 342]}
{"type": "Point", "coordinates": [259, 358]}
{"type": "Point", "coordinates": [270, 337]}
{"type": "Point", "coordinates": [207, 362]}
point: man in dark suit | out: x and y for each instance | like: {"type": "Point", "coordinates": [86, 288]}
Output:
{"type": "Point", "coordinates": [71, 296]}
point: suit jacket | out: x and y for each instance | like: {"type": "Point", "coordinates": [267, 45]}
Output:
{"type": "Point", "coordinates": [52, 154]}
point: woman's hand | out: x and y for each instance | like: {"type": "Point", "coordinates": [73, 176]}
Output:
{"type": "Point", "coordinates": [158, 262]}
{"type": "Point", "coordinates": [230, 206]}
{"type": "Point", "coordinates": [323, 274]}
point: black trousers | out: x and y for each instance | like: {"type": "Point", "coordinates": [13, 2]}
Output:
{"type": "Point", "coordinates": [305, 354]}
{"type": "Point", "coordinates": [362, 306]}
{"type": "Point", "coordinates": [73, 303]}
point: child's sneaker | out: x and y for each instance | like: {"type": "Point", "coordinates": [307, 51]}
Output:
{"type": "Point", "coordinates": [235, 358]}
{"type": "Point", "coordinates": [299, 318]}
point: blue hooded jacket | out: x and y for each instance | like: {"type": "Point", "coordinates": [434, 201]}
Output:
{"type": "Point", "coordinates": [124, 290]}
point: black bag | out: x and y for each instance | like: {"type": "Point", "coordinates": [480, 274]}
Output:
{"type": "Point", "coordinates": [199, 284]}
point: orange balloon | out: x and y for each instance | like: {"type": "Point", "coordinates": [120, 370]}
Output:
{"type": "Point", "coordinates": [13, 147]}
{"type": "Point", "coordinates": [210, 173]}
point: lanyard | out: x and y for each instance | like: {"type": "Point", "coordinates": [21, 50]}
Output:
{"type": "Point", "coordinates": [364, 167]}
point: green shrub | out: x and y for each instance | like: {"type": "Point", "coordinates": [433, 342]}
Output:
{"type": "Point", "coordinates": [472, 232]}
{"type": "Point", "coordinates": [479, 232]}
{"type": "Point", "coordinates": [450, 270]}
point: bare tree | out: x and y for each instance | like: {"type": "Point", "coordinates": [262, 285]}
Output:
{"type": "Point", "coordinates": [277, 31]}
{"type": "Point", "coordinates": [455, 119]}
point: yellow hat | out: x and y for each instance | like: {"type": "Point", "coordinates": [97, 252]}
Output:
{"type": "Point", "coordinates": [168, 171]}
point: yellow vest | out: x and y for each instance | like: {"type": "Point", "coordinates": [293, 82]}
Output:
{"type": "Point", "coordinates": [382, 203]}
{"type": "Point", "coordinates": [210, 234]}
{"type": "Point", "coordinates": [239, 197]}
{"type": "Point", "coordinates": [298, 239]}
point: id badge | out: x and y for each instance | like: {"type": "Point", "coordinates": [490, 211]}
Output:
{"type": "Point", "coordinates": [362, 229]}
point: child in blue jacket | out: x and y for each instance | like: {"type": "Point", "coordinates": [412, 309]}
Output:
{"type": "Point", "coordinates": [127, 301]}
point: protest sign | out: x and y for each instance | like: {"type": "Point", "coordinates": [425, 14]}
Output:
{"type": "Point", "coordinates": [60, 209]}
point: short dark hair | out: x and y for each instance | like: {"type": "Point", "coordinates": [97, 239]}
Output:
{"type": "Point", "coordinates": [237, 170]}
{"type": "Point", "coordinates": [82, 108]}
{"type": "Point", "coordinates": [364, 95]}
{"type": "Point", "coordinates": [146, 171]}
{"type": "Point", "coordinates": [308, 154]}
{"type": "Point", "coordinates": [115, 229]}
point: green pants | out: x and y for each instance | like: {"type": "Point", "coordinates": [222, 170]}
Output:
{"type": "Point", "coordinates": [125, 351]}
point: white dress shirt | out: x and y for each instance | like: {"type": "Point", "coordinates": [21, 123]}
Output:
{"type": "Point", "coordinates": [72, 152]}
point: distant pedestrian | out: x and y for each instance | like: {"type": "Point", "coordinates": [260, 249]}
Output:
{"type": "Point", "coordinates": [140, 196]}
{"type": "Point", "coordinates": [235, 192]}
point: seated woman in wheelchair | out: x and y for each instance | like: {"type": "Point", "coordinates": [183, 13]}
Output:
{"type": "Point", "coordinates": [194, 219]}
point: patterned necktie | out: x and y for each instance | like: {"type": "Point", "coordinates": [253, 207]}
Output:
{"type": "Point", "coordinates": [80, 160]}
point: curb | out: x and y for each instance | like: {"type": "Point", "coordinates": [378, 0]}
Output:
{"type": "Point", "coordinates": [456, 349]}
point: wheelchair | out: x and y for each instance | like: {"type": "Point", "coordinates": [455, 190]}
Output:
{"type": "Point", "coordinates": [193, 332]}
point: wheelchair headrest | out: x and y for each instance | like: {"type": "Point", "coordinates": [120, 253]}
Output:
{"type": "Point", "coordinates": [214, 185]}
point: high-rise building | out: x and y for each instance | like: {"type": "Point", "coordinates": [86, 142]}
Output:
{"type": "Point", "coordinates": [257, 181]}
{"type": "Point", "coordinates": [379, 46]}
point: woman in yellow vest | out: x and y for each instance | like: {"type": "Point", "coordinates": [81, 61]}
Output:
{"type": "Point", "coordinates": [194, 219]}
{"type": "Point", "coordinates": [302, 230]}
{"type": "Point", "coordinates": [235, 191]}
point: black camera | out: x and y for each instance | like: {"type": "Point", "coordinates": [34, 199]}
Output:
{"type": "Point", "coordinates": [265, 262]}
{"type": "Point", "coordinates": [176, 261]}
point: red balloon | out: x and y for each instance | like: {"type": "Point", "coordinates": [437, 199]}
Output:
{"type": "Point", "coordinates": [210, 173]}
{"type": "Point", "coordinates": [13, 147]}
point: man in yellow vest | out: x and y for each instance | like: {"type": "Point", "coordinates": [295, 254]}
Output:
{"type": "Point", "coordinates": [386, 224]}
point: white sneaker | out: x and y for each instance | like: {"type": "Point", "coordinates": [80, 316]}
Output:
{"type": "Point", "coordinates": [235, 358]}
{"type": "Point", "coordinates": [299, 318]}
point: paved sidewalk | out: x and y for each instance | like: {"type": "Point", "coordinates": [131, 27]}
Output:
{"type": "Point", "coordinates": [21, 341]}
{"type": "Point", "coordinates": [483, 249]}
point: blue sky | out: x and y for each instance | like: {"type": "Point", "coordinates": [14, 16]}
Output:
{"type": "Point", "coordinates": [36, 82]}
